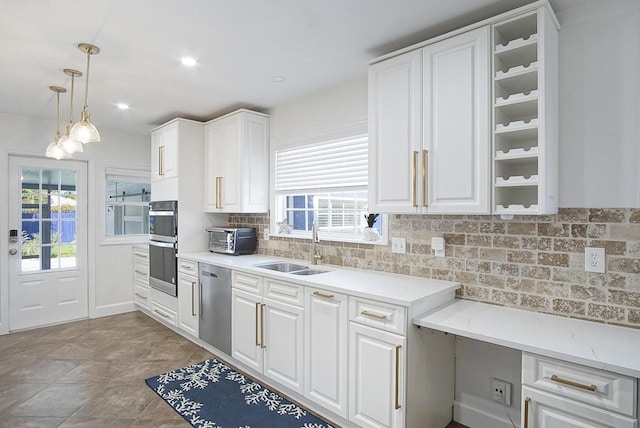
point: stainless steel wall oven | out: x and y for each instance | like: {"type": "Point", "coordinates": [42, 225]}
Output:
{"type": "Point", "coordinates": [163, 246]}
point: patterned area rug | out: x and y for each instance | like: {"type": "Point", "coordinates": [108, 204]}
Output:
{"type": "Point", "coordinates": [212, 395]}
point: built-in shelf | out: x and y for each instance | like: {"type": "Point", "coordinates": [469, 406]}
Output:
{"type": "Point", "coordinates": [516, 98]}
{"type": "Point", "coordinates": [519, 153]}
{"type": "Point", "coordinates": [516, 126]}
{"type": "Point", "coordinates": [517, 43]}
{"type": "Point", "coordinates": [517, 180]}
{"type": "Point", "coordinates": [516, 209]}
{"type": "Point", "coordinates": [517, 70]}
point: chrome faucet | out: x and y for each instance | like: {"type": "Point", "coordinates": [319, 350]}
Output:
{"type": "Point", "coordinates": [315, 257]}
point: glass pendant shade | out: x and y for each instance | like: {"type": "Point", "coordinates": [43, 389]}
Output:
{"type": "Point", "coordinates": [69, 144]}
{"type": "Point", "coordinates": [55, 149]}
{"type": "Point", "coordinates": [84, 131]}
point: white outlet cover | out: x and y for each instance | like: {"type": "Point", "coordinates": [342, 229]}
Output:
{"type": "Point", "coordinates": [398, 245]}
{"type": "Point", "coordinates": [594, 260]}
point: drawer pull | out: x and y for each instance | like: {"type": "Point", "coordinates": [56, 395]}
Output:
{"type": "Point", "coordinates": [140, 272]}
{"type": "Point", "coordinates": [591, 388]}
{"type": "Point", "coordinates": [257, 323]}
{"type": "Point", "coordinates": [373, 315]}
{"type": "Point", "coordinates": [186, 267]}
{"type": "Point", "coordinates": [527, 401]}
{"type": "Point", "coordinates": [397, 393]}
{"type": "Point", "coordinates": [321, 294]}
{"type": "Point", "coordinates": [141, 296]}
{"type": "Point", "coordinates": [160, 313]}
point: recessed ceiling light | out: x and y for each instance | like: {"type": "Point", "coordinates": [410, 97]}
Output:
{"type": "Point", "coordinates": [188, 61]}
{"type": "Point", "coordinates": [123, 106]}
{"type": "Point", "coordinates": [278, 79]}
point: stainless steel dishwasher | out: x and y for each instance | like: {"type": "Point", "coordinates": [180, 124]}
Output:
{"type": "Point", "coordinates": [215, 307]}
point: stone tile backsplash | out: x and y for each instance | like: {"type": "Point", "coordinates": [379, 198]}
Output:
{"type": "Point", "coordinates": [531, 262]}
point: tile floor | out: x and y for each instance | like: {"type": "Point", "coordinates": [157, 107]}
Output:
{"type": "Point", "coordinates": [91, 373]}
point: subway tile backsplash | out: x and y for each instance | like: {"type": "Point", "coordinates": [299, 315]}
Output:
{"type": "Point", "coordinates": [531, 262]}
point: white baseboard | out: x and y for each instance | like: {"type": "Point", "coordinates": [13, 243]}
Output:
{"type": "Point", "coordinates": [115, 309]}
{"type": "Point", "coordinates": [476, 418]}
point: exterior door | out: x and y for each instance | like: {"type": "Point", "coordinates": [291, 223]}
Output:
{"type": "Point", "coordinates": [48, 272]}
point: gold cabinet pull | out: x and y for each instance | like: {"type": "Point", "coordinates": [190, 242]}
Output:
{"type": "Point", "coordinates": [161, 160]}
{"type": "Point", "coordinates": [160, 313]}
{"type": "Point", "coordinates": [141, 296]}
{"type": "Point", "coordinates": [373, 315]}
{"type": "Point", "coordinates": [415, 179]}
{"type": "Point", "coordinates": [219, 192]}
{"type": "Point", "coordinates": [425, 158]}
{"type": "Point", "coordinates": [263, 345]}
{"type": "Point", "coordinates": [397, 390]}
{"type": "Point", "coordinates": [321, 294]}
{"type": "Point", "coordinates": [193, 299]}
{"type": "Point", "coordinates": [527, 401]}
{"type": "Point", "coordinates": [591, 388]}
{"type": "Point", "coordinates": [140, 272]}
{"type": "Point", "coordinates": [257, 323]}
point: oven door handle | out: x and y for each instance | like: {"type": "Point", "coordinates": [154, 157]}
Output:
{"type": "Point", "coordinates": [161, 213]}
{"type": "Point", "coordinates": [162, 244]}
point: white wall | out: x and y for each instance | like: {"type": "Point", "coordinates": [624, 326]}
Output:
{"type": "Point", "coordinates": [110, 266]}
{"type": "Point", "coordinates": [600, 104]}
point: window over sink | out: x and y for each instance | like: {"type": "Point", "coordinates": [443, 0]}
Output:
{"type": "Point", "coordinates": [325, 182]}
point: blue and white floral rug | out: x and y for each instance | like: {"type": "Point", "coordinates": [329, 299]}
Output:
{"type": "Point", "coordinates": [212, 395]}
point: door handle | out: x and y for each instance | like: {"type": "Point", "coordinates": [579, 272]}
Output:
{"type": "Point", "coordinates": [415, 179]}
{"type": "Point", "coordinates": [193, 299]}
{"type": "Point", "coordinates": [219, 192]}
{"type": "Point", "coordinates": [425, 166]}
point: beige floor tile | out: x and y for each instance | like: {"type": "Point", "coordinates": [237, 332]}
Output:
{"type": "Point", "coordinates": [123, 401]}
{"type": "Point", "coordinates": [56, 400]}
{"type": "Point", "coordinates": [29, 422]}
{"type": "Point", "coordinates": [96, 423]}
{"type": "Point", "coordinates": [41, 371]}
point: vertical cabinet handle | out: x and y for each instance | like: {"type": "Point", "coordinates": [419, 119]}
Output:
{"type": "Point", "coordinates": [397, 387]}
{"type": "Point", "coordinates": [218, 192]}
{"type": "Point", "coordinates": [425, 165]}
{"type": "Point", "coordinates": [193, 299]}
{"type": "Point", "coordinates": [263, 344]}
{"type": "Point", "coordinates": [161, 160]}
{"type": "Point", "coordinates": [527, 401]}
{"type": "Point", "coordinates": [415, 179]}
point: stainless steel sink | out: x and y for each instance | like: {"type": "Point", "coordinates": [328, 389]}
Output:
{"type": "Point", "coordinates": [309, 272]}
{"type": "Point", "coordinates": [283, 267]}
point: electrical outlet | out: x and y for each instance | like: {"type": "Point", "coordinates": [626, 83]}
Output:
{"type": "Point", "coordinates": [398, 245]}
{"type": "Point", "coordinates": [501, 391]}
{"type": "Point", "coordinates": [594, 260]}
{"type": "Point", "coordinates": [265, 234]}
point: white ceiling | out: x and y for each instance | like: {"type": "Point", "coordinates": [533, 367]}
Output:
{"type": "Point", "coordinates": [239, 44]}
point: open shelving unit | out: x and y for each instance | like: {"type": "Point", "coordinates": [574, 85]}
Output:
{"type": "Point", "coordinates": [524, 114]}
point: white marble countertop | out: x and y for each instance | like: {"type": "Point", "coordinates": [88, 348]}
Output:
{"type": "Point", "coordinates": [392, 288]}
{"type": "Point", "coordinates": [602, 346]}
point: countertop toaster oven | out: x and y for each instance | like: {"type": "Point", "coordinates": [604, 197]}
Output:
{"type": "Point", "coordinates": [232, 240]}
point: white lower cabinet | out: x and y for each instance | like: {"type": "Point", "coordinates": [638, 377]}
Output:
{"type": "Point", "coordinates": [558, 394]}
{"type": "Point", "coordinates": [188, 296]}
{"type": "Point", "coordinates": [326, 349]}
{"type": "Point", "coordinates": [141, 276]}
{"type": "Point", "coordinates": [267, 329]}
{"type": "Point", "coordinates": [376, 377]}
{"type": "Point", "coordinates": [163, 306]}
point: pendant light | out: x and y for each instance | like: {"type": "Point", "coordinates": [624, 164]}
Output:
{"type": "Point", "coordinates": [84, 131]}
{"type": "Point", "coordinates": [54, 149]}
{"type": "Point", "coordinates": [69, 144]}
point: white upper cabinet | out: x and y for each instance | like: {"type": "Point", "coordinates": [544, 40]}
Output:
{"type": "Point", "coordinates": [429, 128]}
{"type": "Point", "coordinates": [164, 152]}
{"type": "Point", "coordinates": [237, 163]}
{"type": "Point", "coordinates": [456, 119]}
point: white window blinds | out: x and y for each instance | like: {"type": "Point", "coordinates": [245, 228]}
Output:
{"type": "Point", "coordinates": [329, 166]}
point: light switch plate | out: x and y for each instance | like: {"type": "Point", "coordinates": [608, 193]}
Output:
{"type": "Point", "coordinates": [399, 245]}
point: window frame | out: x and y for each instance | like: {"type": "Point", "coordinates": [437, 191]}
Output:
{"type": "Point", "coordinates": [277, 202]}
{"type": "Point", "coordinates": [142, 238]}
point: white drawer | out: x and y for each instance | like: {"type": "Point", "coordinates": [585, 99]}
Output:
{"type": "Point", "coordinates": [163, 299]}
{"type": "Point", "coordinates": [141, 256]}
{"type": "Point", "coordinates": [141, 273]}
{"type": "Point", "coordinates": [600, 388]}
{"type": "Point", "coordinates": [163, 313]}
{"type": "Point", "coordinates": [376, 314]}
{"type": "Point", "coordinates": [141, 295]}
{"type": "Point", "coordinates": [250, 283]}
{"type": "Point", "coordinates": [188, 266]}
{"type": "Point", "coordinates": [285, 292]}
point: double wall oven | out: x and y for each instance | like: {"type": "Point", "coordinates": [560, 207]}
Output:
{"type": "Point", "coordinates": [163, 246]}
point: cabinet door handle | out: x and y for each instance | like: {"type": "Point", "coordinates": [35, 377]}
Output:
{"type": "Point", "coordinates": [425, 165]}
{"type": "Point", "coordinates": [257, 323]}
{"type": "Point", "coordinates": [397, 390]}
{"type": "Point", "coordinates": [591, 388]}
{"type": "Point", "coordinates": [527, 402]}
{"type": "Point", "coordinates": [373, 315]}
{"type": "Point", "coordinates": [161, 160]}
{"type": "Point", "coordinates": [193, 299]}
{"type": "Point", "coordinates": [219, 192]}
{"type": "Point", "coordinates": [321, 294]}
{"type": "Point", "coordinates": [415, 179]}
{"type": "Point", "coordinates": [141, 296]}
{"type": "Point", "coordinates": [160, 313]}
{"type": "Point", "coordinates": [263, 345]}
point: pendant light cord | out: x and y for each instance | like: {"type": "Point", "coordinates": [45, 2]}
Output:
{"type": "Point", "coordinates": [71, 103]}
{"type": "Point", "coordinates": [58, 115]}
{"type": "Point", "coordinates": [86, 83]}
